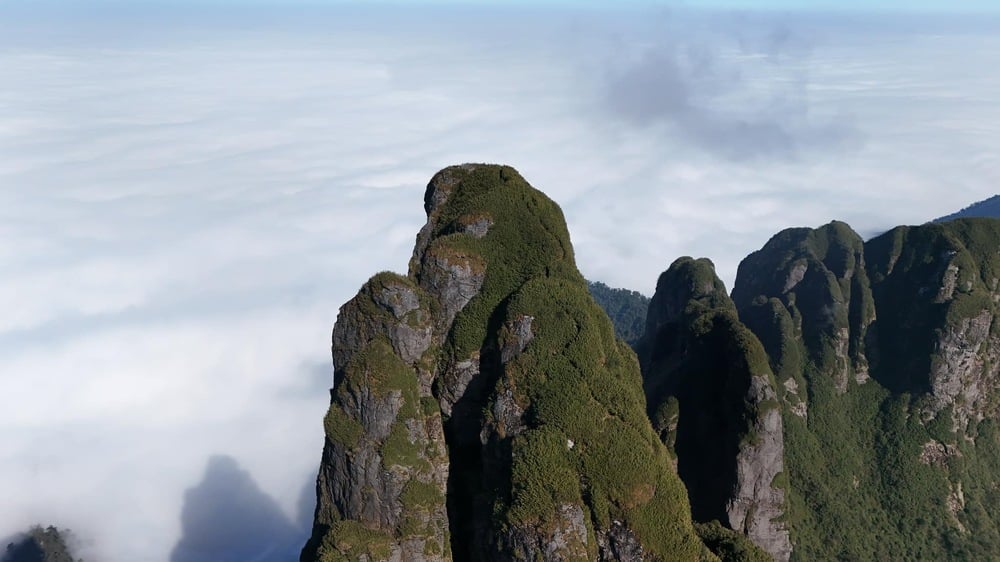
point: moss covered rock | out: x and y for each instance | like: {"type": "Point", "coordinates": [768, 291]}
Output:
{"type": "Point", "coordinates": [711, 395]}
{"type": "Point", "coordinates": [885, 353]}
{"type": "Point", "coordinates": [483, 408]}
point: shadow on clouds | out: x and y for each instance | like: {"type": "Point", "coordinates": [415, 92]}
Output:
{"type": "Point", "coordinates": [227, 518]}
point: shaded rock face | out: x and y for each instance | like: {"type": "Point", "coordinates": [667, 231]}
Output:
{"type": "Point", "coordinates": [819, 278]}
{"type": "Point", "coordinates": [757, 503]}
{"type": "Point", "coordinates": [482, 408]}
{"type": "Point", "coordinates": [620, 544]}
{"type": "Point", "coordinates": [936, 289]}
{"type": "Point", "coordinates": [712, 397]}
{"type": "Point", "coordinates": [817, 306]}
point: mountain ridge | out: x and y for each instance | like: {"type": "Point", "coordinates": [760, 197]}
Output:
{"type": "Point", "coordinates": [987, 208]}
{"type": "Point", "coordinates": [841, 403]}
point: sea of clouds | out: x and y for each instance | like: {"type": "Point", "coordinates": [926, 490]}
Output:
{"type": "Point", "coordinates": [188, 195]}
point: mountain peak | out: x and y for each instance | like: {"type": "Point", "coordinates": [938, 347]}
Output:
{"type": "Point", "coordinates": [482, 407]}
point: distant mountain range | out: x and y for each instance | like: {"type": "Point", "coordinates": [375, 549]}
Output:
{"type": "Point", "coordinates": [986, 208]}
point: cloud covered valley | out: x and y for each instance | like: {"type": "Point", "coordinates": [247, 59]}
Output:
{"type": "Point", "coordinates": [188, 196]}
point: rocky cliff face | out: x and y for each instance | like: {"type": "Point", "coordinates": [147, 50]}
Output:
{"type": "Point", "coordinates": [885, 355]}
{"type": "Point", "coordinates": [482, 408]}
{"type": "Point", "coordinates": [807, 293]}
{"type": "Point", "coordinates": [711, 395]}
{"type": "Point", "coordinates": [937, 288]}
{"type": "Point", "coordinates": [382, 481]}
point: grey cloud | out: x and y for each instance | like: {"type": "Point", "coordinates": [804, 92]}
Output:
{"type": "Point", "coordinates": [740, 95]}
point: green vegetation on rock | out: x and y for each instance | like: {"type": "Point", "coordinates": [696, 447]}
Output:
{"type": "Point", "coordinates": [528, 239]}
{"type": "Point", "coordinates": [381, 480]}
{"type": "Point", "coordinates": [545, 424]}
{"type": "Point", "coordinates": [348, 541]}
{"type": "Point", "coordinates": [881, 405]}
{"type": "Point", "coordinates": [842, 405]}
{"type": "Point", "coordinates": [729, 545]}
{"type": "Point", "coordinates": [711, 395]}
{"type": "Point", "coordinates": [581, 392]}
{"type": "Point", "coordinates": [627, 310]}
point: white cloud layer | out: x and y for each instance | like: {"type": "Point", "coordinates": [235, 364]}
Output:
{"type": "Point", "coordinates": [185, 202]}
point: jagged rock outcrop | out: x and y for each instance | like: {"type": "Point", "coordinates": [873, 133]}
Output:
{"type": "Point", "coordinates": [937, 287]}
{"type": "Point", "coordinates": [711, 394]}
{"type": "Point", "coordinates": [885, 355]}
{"type": "Point", "coordinates": [818, 277]}
{"type": "Point", "coordinates": [382, 480]}
{"type": "Point", "coordinates": [482, 408]}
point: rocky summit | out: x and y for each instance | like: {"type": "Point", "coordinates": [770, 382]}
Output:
{"type": "Point", "coordinates": [841, 404]}
{"type": "Point", "coordinates": [713, 400]}
{"type": "Point", "coordinates": [483, 409]}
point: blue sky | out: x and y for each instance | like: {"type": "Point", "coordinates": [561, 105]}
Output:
{"type": "Point", "coordinates": [863, 6]}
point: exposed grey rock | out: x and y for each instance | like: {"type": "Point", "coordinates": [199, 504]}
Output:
{"type": "Point", "coordinates": [796, 402]}
{"type": "Point", "coordinates": [506, 415]}
{"type": "Point", "coordinates": [936, 453]}
{"type": "Point", "coordinates": [453, 279]}
{"type": "Point", "coordinates": [948, 281]}
{"type": "Point", "coordinates": [756, 503]}
{"type": "Point", "coordinates": [405, 324]}
{"type": "Point", "coordinates": [562, 540]}
{"type": "Point", "coordinates": [619, 544]}
{"type": "Point", "coordinates": [956, 501]}
{"type": "Point", "coordinates": [477, 226]}
{"type": "Point", "coordinates": [515, 338]}
{"type": "Point", "coordinates": [964, 371]}
{"type": "Point", "coordinates": [381, 441]}
{"type": "Point", "coordinates": [795, 276]}
{"type": "Point", "coordinates": [455, 380]}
